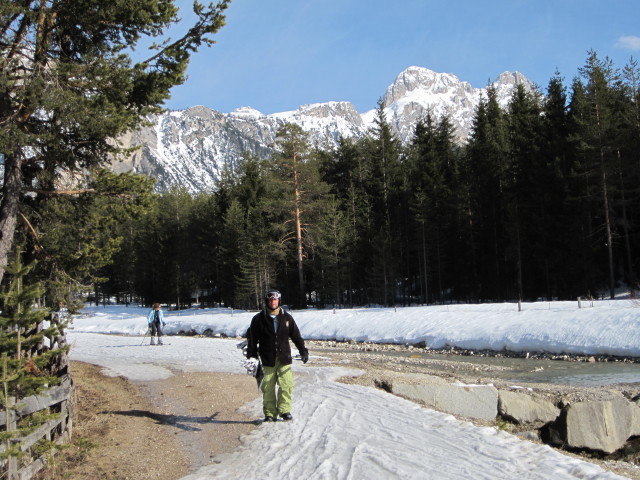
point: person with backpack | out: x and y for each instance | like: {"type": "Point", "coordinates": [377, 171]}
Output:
{"type": "Point", "coordinates": [155, 319]}
{"type": "Point", "coordinates": [268, 338]}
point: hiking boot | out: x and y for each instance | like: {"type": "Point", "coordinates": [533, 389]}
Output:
{"type": "Point", "coordinates": [159, 342]}
{"type": "Point", "coordinates": [269, 418]}
{"type": "Point", "coordinates": [153, 341]}
{"type": "Point", "coordinates": [286, 416]}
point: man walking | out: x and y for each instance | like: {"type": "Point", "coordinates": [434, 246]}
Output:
{"type": "Point", "coordinates": [268, 337]}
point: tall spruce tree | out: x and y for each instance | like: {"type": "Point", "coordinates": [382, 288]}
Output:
{"type": "Point", "coordinates": [204, 228]}
{"type": "Point", "coordinates": [250, 244]}
{"type": "Point", "coordinates": [383, 183]}
{"type": "Point", "coordinates": [434, 182]}
{"type": "Point", "coordinates": [425, 181]}
{"type": "Point", "coordinates": [560, 237]}
{"type": "Point", "coordinates": [333, 243]}
{"type": "Point", "coordinates": [176, 276]}
{"type": "Point", "coordinates": [581, 199]}
{"type": "Point", "coordinates": [599, 145]}
{"type": "Point", "coordinates": [347, 172]}
{"type": "Point", "coordinates": [628, 156]}
{"type": "Point", "coordinates": [524, 192]}
{"type": "Point", "coordinates": [487, 159]}
{"type": "Point", "coordinates": [296, 193]}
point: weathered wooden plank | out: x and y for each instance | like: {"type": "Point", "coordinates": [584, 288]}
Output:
{"type": "Point", "coordinates": [42, 432]}
{"type": "Point", "coordinates": [34, 467]}
{"type": "Point", "coordinates": [35, 403]}
{"type": "Point", "coordinates": [52, 396]}
{"type": "Point", "coordinates": [30, 470]}
{"type": "Point", "coordinates": [58, 429]}
{"type": "Point", "coordinates": [28, 441]}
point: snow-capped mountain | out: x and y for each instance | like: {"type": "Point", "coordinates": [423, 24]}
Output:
{"type": "Point", "coordinates": [192, 147]}
{"type": "Point", "coordinates": [418, 91]}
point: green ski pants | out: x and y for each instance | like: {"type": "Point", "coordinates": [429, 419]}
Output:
{"type": "Point", "coordinates": [272, 404]}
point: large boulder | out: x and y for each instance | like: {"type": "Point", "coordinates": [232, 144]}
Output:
{"type": "Point", "coordinates": [522, 408]}
{"type": "Point", "coordinates": [603, 425]}
{"type": "Point", "coordinates": [471, 401]}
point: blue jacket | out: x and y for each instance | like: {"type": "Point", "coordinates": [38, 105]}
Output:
{"type": "Point", "coordinates": [151, 316]}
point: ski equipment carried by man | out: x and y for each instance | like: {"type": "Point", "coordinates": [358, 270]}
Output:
{"type": "Point", "coordinates": [253, 365]}
{"type": "Point", "coordinates": [268, 340]}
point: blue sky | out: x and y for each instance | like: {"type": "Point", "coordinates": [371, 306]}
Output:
{"type": "Point", "coordinates": [275, 55]}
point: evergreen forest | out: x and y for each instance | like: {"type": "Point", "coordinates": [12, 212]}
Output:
{"type": "Point", "coordinates": [542, 202]}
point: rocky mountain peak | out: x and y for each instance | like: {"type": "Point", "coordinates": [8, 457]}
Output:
{"type": "Point", "coordinates": [415, 80]}
{"type": "Point", "coordinates": [418, 91]}
{"type": "Point", "coordinates": [512, 78]}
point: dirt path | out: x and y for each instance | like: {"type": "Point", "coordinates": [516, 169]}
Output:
{"type": "Point", "coordinates": [160, 430]}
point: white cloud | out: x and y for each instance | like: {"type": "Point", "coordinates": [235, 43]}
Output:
{"type": "Point", "coordinates": [629, 42]}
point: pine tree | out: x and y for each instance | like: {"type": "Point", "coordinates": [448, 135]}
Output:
{"type": "Point", "coordinates": [347, 172]}
{"type": "Point", "coordinates": [333, 243]}
{"type": "Point", "coordinates": [424, 180]}
{"type": "Point", "coordinates": [486, 175]}
{"type": "Point", "coordinates": [433, 178]}
{"type": "Point", "coordinates": [30, 353]}
{"type": "Point", "coordinates": [524, 192]}
{"type": "Point", "coordinates": [559, 238]}
{"type": "Point", "coordinates": [295, 194]}
{"type": "Point", "coordinates": [599, 143]}
{"type": "Point", "coordinates": [176, 276]}
{"type": "Point", "coordinates": [68, 85]}
{"type": "Point", "coordinates": [383, 184]}
{"type": "Point", "coordinates": [629, 167]}
{"type": "Point", "coordinates": [250, 237]}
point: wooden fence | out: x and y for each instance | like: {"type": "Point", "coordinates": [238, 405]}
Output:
{"type": "Point", "coordinates": [55, 402]}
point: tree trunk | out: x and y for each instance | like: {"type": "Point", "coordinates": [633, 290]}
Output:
{"type": "Point", "coordinates": [298, 223]}
{"type": "Point", "coordinates": [612, 290]}
{"type": "Point", "coordinates": [631, 275]}
{"type": "Point", "coordinates": [424, 261]}
{"type": "Point", "coordinates": [9, 208]}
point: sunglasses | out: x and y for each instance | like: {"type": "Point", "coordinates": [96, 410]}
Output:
{"type": "Point", "coordinates": [273, 295]}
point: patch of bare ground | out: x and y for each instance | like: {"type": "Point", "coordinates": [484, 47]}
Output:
{"type": "Point", "coordinates": [160, 430]}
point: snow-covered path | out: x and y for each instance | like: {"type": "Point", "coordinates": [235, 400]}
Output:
{"type": "Point", "coordinates": [339, 431]}
{"type": "Point", "coordinates": [352, 432]}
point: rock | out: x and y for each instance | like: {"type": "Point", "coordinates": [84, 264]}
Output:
{"type": "Point", "coordinates": [603, 425]}
{"type": "Point", "coordinates": [471, 401]}
{"type": "Point", "coordinates": [524, 408]}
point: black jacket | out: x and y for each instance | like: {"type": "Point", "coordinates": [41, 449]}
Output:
{"type": "Point", "coordinates": [264, 341]}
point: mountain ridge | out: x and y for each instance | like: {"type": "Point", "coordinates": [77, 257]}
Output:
{"type": "Point", "coordinates": [192, 147]}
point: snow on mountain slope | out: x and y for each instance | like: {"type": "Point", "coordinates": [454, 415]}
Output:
{"type": "Point", "coordinates": [192, 147]}
{"type": "Point", "coordinates": [418, 91]}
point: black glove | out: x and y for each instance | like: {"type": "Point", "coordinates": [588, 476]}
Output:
{"type": "Point", "coordinates": [304, 356]}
